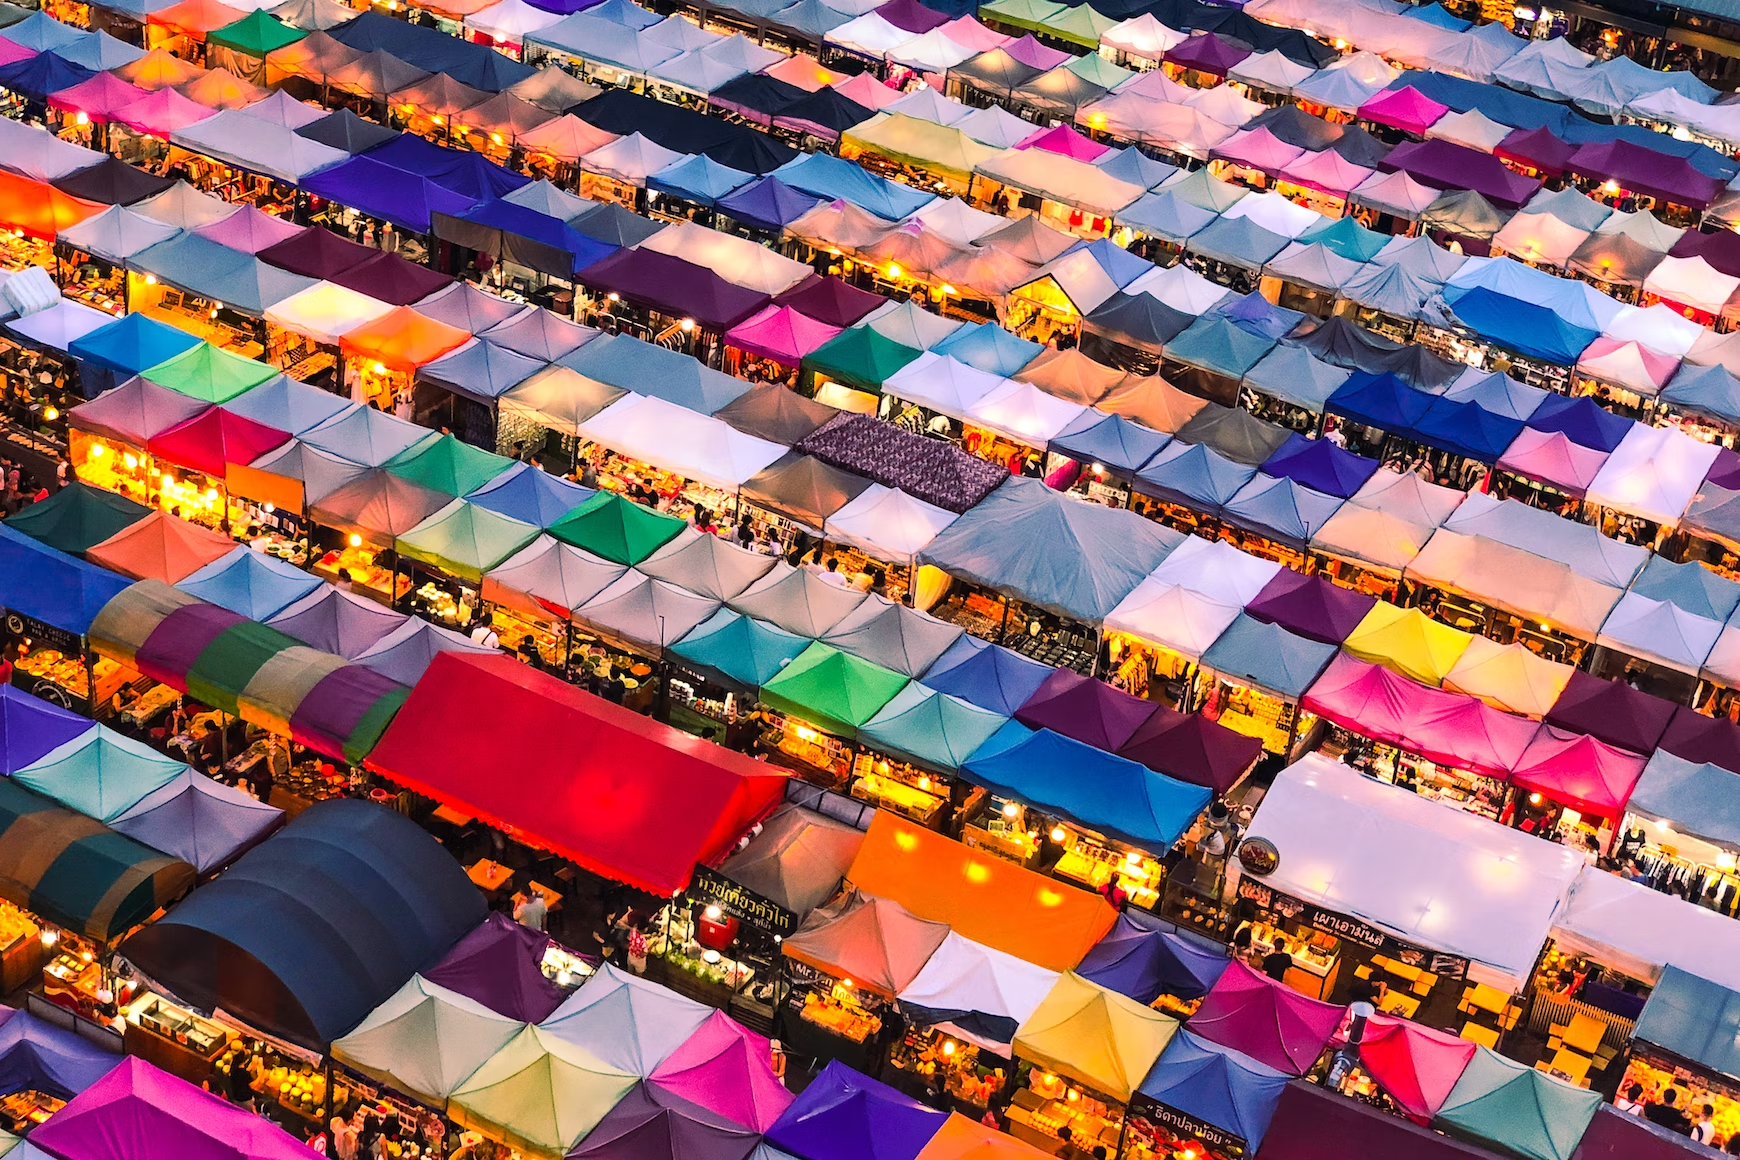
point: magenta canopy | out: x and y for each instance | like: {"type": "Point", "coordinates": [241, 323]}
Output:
{"type": "Point", "coordinates": [781, 334]}
{"type": "Point", "coordinates": [1030, 52]}
{"type": "Point", "coordinates": [1443, 165]}
{"type": "Point", "coordinates": [1406, 108]}
{"type": "Point", "coordinates": [1085, 710]}
{"type": "Point", "coordinates": [141, 1113]}
{"type": "Point", "coordinates": [1190, 747]}
{"type": "Point", "coordinates": [497, 965]}
{"type": "Point", "coordinates": [723, 1067]}
{"type": "Point", "coordinates": [1415, 1065]}
{"type": "Point", "coordinates": [1637, 169]}
{"type": "Point", "coordinates": [1310, 606]}
{"type": "Point", "coordinates": [1267, 1020]}
{"type": "Point", "coordinates": [1207, 53]}
{"type": "Point", "coordinates": [1064, 139]}
{"type": "Point", "coordinates": [1579, 771]}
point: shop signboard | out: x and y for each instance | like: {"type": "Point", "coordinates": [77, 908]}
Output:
{"type": "Point", "coordinates": [1353, 930]}
{"type": "Point", "coordinates": [46, 636]}
{"type": "Point", "coordinates": [1166, 1131]}
{"type": "Point", "coordinates": [713, 887]}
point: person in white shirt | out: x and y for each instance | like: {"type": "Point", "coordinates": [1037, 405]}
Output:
{"type": "Point", "coordinates": [1631, 1103]}
{"type": "Point", "coordinates": [531, 911]}
{"type": "Point", "coordinates": [1704, 1132]}
{"type": "Point", "coordinates": [485, 635]}
{"type": "Point", "coordinates": [833, 575]}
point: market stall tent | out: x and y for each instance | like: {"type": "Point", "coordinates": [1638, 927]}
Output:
{"type": "Point", "coordinates": [500, 965]}
{"type": "Point", "coordinates": [1273, 1024]}
{"type": "Point", "coordinates": [1643, 932]}
{"type": "Point", "coordinates": [738, 650]}
{"type": "Point", "coordinates": [798, 859]}
{"type": "Point", "coordinates": [101, 774]}
{"type": "Point", "coordinates": [1218, 1085]}
{"type": "Point", "coordinates": [198, 819]}
{"type": "Point", "coordinates": [987, 675]}
{"type": "Point", "coordinates": [1145, 958]}
{"type": "Point", "coordinates": [875, 942]}
{"type": "Point", "coordinates": [798, 601]}
{"type": "Point", "coordinates": [1313, 1123]}
{"type": "Point", "coordinates": [723, 1068]}
{"type": "Point", "coordinates": [931, 729]}
{"type": "Point", "coordinates": [832, 689]}
{"type": "Point", "coordinates": [59, 590]}
{"type": "Point", "coordinates": [976, 993]}
{"type": "Point", "coordinates": [1094, 1036]}
{"type": "Point", "coordinates": [30, 728]}
{"type": "Point", "coordinates": [250, 583]}
{"type": "Point", "coordinates": [1518, 1108]}
{"type": "Point", "coordinates": [843, 1115]}
{"type": "Point", "coordinates": [650, 1122]}
{"type": "Point", "coordinates": [425, 1040]}
{"type": "Point", "coordinates": [1415, 1065]}
{"type": "Point", "coordinates": [160, 547]}
{"type": "Point", "coordinates": [36, 1055]}
{"type": "Point", "coordinates": [539, 1093]}
{"type": "Point", "coordinates": [627, 1023]}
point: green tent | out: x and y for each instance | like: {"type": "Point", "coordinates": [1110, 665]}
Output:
{"type": "Point", "coordinates": [1082, 25]}
{"type": "Point", "coordinates": [860, 358]}
{"type": "Point", "coordinates": [448, 466]}
{"type": "Point", "coordinates": [1517, 1109]}
{"type": "Point", "coordinates": [101, 774]}
{"type": "Point", "coordinates": [77, 517]}
{"type": "Point", "coordinates": [255, 34]}
{"type": "Point", "coordinates": [930, 729]}
{"type": "Point", "coordinates": [609, 526]}
{"type": "Point", "coordinates": [832, 690]}
{"type": "Point", "coordinates": [1093, 67]}
{"type": "Point", "coordinates": [465, 540]}
{"type": "Point", "coordinates": [733, 649]}
{"type": "Point", "coordinates": [208, 373]}
{"type": "Point", "coordinates": [222, 671]}
{"type": "Point", "coordinates": [1031, 15]}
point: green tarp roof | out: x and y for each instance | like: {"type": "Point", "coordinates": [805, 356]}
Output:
{"type": "Point", "coordinates": [255, 34]}
{"type": "Point", "coordinates": [611, 527]}
{"type": "Point", "coordinates": [931, 729]}
{"type": "Point", "coordinates": [832, 690]}
{"type": "Point", "coordinates": [860, 358]}
{"type": "Point", "coordinates": [466, 540]}
{"type": "Point", "coordinates": [77, 517]}
{"type": "Point", "coordinates": [448, 466]}
{"type": "Point", "coordinates": [102, 775]}
{"type": "Point", "coordinates": [740, 649]}
{"type": "Point", "coordinates": [1517, 1109]}
{"type": "Point", "coordinates": [208, 373]}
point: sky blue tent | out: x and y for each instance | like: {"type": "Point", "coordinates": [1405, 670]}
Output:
{"type": "Point", "coordinates": [770, 204]}
{"type": "Point", "coordinates": [1163, 214]}
{"type": "Point", "coordinates": [529, 495]}
{"type": "Point", "coordinates": [987, 675]}
{"type": "Point", "coordinates": [1346, 238]}
{"type": "Point", "coordinates": [629, 1024]}
{"type": "Point", "coordinates": [1694, 1019]}
{"type": "Point", "coordinates": [203, 822]}
{"type": "Point", "coordinates": [1254, 652]}
{"type": "Point", "coordinates": [1219, 345]}
{"type": "Point", "coordinates": [1134, 166]}
{"type": "Point", "coordinates": [1237, 242]}
{"type": "Point", "coordinates": [287, 405]}
{"type": "Point", "coordinates": [1702, 798]}
{"type": "Point", "coordinates": [215, 271]}
{"type": "Point", "coordinates": [125, 347]}
{"type": "Point", "coordinates": [1524, 310]}
{"type": "Point", "coordinates": [1093, 556]}
{"type": "Point", "coordinates": [831, 178]}
{"type": "Point", "coordinates": [1690, 586]}
{"type": "Point", "coordinates": [738, 650]}
{"type": "Point", "coordinates": [1111, 440]}
{"type": "Point", "coordinates": [1280, 508]}
{"type": "Point", "coordinates": [1256, 315]}
{"type": "Point", "coordinates": [366, 437]}
{"type": "Point", "coordinates": [1294, 375]}
{"type": "Point", "coordinates": [480, 370]}
{"type": "Point", "coordinates": [44, 584]}
{"type": "Point", "coordinates": [250, 584]}
{"type": "Point", "coordinates": [1102, 791]}
{"type": "Point", "coordinates": [631, 364]}
{"type": "Point", "coordinates": [1216, 1085]}
{"type": "Point", "coordinates": [1497, 392]}
{"type": "Point", "coordinates": [1194, 475]}
{"type": "Point", "coordinates": [1121, 266]}
{"type": "Point", "coordinates": [930, 729]}
{"type": "Point", "coordinates": [1710, 390]}
{"type": "Point", "coordinates": [698, 179]}
{"type": "Point", "coordinates": [988, 347]}
{"type": "Point", "coordinates": [1466, 429]}
{"type": "Point", "coordinates": [1388, 289]}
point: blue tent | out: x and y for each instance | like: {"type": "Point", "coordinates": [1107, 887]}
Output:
{"type": "Point", "coordinates": [1163, 214]}
{"type": "Point", "coordinates": [930, 729]}
{"type": "Point", "coordinates": [198, 819]}
{"type": "Point", "coordinates": [31, 728]}
{"type": "Point", "coordinates": [1268, 656]}
{"type": "Point", "coordinates": [125, 347]}
{"type": "Point", "coordinates": [1525, 310]}
{"type": "Point", "coordinates": [41, 32]}
{"type": "Point", "coordinates": [1503, 105]}
{"type": "Point", "coordinates": [1219, 345]}
{"type": "Point", "coordinates": [698, 179]}
{"type": "Point", "coordinates": [308, 965]}
{"type": "Point", "coordinates": [1320, 464]}
{"type": "Point", "coordinates": [1581, 420]}
{"type": "Point", "coordinates": [523, 236]}
{"type": "Point", "coordinates": [287, 405]}
{"type": "Point", "coordinates": [100, 52]}
{"type": "Point", "coordinates": [629, 1024]}
{"type": "Point", "coordinates": [1346, 238]}
{"type": "Point", "coordinates": [843, 1115]}
{"type": "Point", "coordinates": [1144, 957]}
{"type": "Point", "coordinates": [44, 584]}
{"type": "Point", "coordinates": [1112, 440]}
{"type": "Point", "coordinates": [830, 178]}
{"type": "Point", "coordinates": [1237, 241]}
{"type": "Point", "coordinates": [1280, 508]}
{"type": "Point", "coordinates": [1467, 429]}
{"type": "Point", "coordinates": [1381, 401]}
{"type": "Point", "coordinates": [685, 131]}
{"type": "Point", "coordinates": [1193, 475]}
{"type": "Point", "coordinates": [1702, 797]}
{"type": "Point", "coordinates": [480, 370]}
{"type": "Point", "coordinates": [434, 51]}
{"type": "Point", "coordinates": [770, 204]}
{"type": "Point", "coordinates": [1437, 15]}
{"type": "Point", "coordinates": [1294, 375]}
{"type": "Point", "coordinates": [41, 76]}
{"type": "Point", "coordinates": [1710, 390]}
{"type": "Point", "coordinates": [1134, 166]}
{"type": "Point", "coordinates": [1121, 266]}
{"type": "Point", "coordinates": [987, 675]}
{"type": "Point", "coordinates": [987, 347]}
{"type": "Point", "coordinates": [632, 364]}
{"type": "Point", "coordinates": [1217, 1085]}
{"type": "Point", "coordinates": [529, 495]}
{"type": "Point", "coordinates": [35, 1055]}
{"type": "Point", "coordinates": [737, 650]}
{"type": "Point", "coordinates": [381, 191]}
{"type": "Point", "coordinates": [1256, 315]}
{"type": "Point", "coordinates": [463, 171]}
{"type": "Point", "coordinates": [1694, 1019]}
{"type": "Point", "coordinates": [1497, 392]}
{"type": "Point", "coordinates": [1102, 791]}
{"type": "Point", "coordinates": [1692, 587]}
{"type": "Point", "coordinates": [250, 584]}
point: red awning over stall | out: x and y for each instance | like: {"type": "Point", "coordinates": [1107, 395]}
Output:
{"type": "Point", "coordinates": [620, 794]}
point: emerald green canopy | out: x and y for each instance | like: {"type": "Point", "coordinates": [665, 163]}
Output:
{"type": "Point", "coordinates": [255, 34]}
{"type": "Point", "coordinates": [77, 517]}
{"type": "Point", "coordinates": [466, 540]}
{"type": "Point", "coordinates": [209, 373]}
{"type": "Point", "coordinates": [609, 526]}
{"type": "Point", "coordinates": [448, 466]}
{"type": "Point", "coordinates": [1517, 1109]}
{"type": "Point", "coordinates": [832, 690]}
{"type": "Point", "coordinates": [859, 358]}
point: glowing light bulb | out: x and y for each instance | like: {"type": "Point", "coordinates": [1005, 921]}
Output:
{"type": "Point", "coordinates": [380, 368]}
{"type": "Point", "coordinates": [355, 540]}
{"type": "Point", "coordinates": [1534, 799]}
{"type": "Point", "coordinates": [1058, 833]}
{"type": "Point", "coordinates": [686, 325]}
{"type": "Point", "coordinates": [894, 269]}
{"type": "Point", "coordinates": [150, 279]}
{"type": "Point", "coordinates": [82, 119]}
{"type": "Point", "coordinates": [50, 414]}
{"type": "Point", "coordinates": [713, 912]}
{"type": "Point", "coordinates": [1010, 809]}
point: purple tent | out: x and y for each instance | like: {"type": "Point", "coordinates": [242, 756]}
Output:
{"type": "Point", "coordinates": [830, 301]}
{"type": "Point", "coordinates": [38, 1056]}
{"type": "Point", "coordinates": [1207, 53]}
{"type": "Point", "coordinates": [843, 1115]}
{"type": "Point", "coordinates": [142, 1113]}
{"type": "Point", "coordinates": [674, 287]}
{"type": "Point", "coordinates": [1699, 739]}
{"type": "Point", "coordinates": [346, 712]}
{"type": "Point", "coordinates": [1191, 748]}
{"type": "Point", "coordinates": [1443, 165]}
{"type": "Point", "coordinates": [1536, 149]}
{"type": "Point", "coordinates": [912, 16]}
{"type": "Point", "coordinates": [1085, 710]}
{"type": "Point", "coordinates": [497, 965]}
{"type": "Point", "coordinates": [1638, 169]}
{"type": "Point", "coordinates": [337, 622]}
{"type": "Point", "coordinates": [1613, 1135]}
{"type": "Point", "coordinates": [1312, 1123]}
{"type": "Point", "coordinates": [1725, 472]}
{"type": "Point", "coordinates": [1320, 465]}
{"type": "Point", "coordinates": [652, 1124]}
{"type": "Point", "coordinates": [30, 727]}
{"type": "Point", "coordinates": [1612, 712]}
{"type": "Point", "coordinates": [1310, 606]}
{"type": "Point", "coordinates": [1145, 958]}
{"type": "Point", "coordinates": [203, 822]}
{"type": "Point", "coordinates": [175, 644]}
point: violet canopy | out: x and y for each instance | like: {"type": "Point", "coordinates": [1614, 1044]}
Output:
{"type": "Point", "coordinates": [1612, 712]}
{"type": "Point", "coordinates": [1313, 1123]}
{"type": "Point", "coordinates": [30, 728]}
{"type": "Point", "coordinates": [1310, 606]}
{"type": "Point", "coordinates": [1193, 749]}
{"type": "Point", "coordinates": [675, 287]}
{"type": "Point", "coordinates": [38, 1056]}
{"type": "Point", "coordinates": [1444, 165]}
{"type": "Point", "coordinates": [1144, 958]}
{"type": "Point", "coordinates": [650, 1123]}
{"type": "Point", "coordinates": [497, 965]}
{"type": "Point", "coordinates": [1321, 465]}
{"type": "Point", "coordinates": [1266, 1020]}
{"type": "Point", "coordinates": [1085, 710]}
{"type": "Point", "coordinates": [843, 1115]}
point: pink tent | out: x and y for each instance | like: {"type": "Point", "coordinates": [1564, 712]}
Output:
{"type": "Point", "coordinates": [969, 33]}
{"type": "Point", "coordinates": [1268, 1021]}
{"type": "Point", "coordinates": [781, 334]}
{"type": "Point", "coordinates": [866, 90]}
{"type": "Point", "coordinates": [1406, 108]}
{"type": "Point", "coordinates": [1579, 771]}
{"type": "Point", "coordinates": [1328, 171]}
{"type": "Point", "coordinates": [1065, 140]}
{"type": "Point", "coordinates": [98, 98]}
{"type": "Point", "coordinates": [11, 53]}
{"type": "Point", "coordinates": [1465, 732]}
{"type": "Point", "coordinates": [142, 1113]}
{"type": "Point", "coordinates": [1628, 364]}
{"type": "Point", "coordinates": [1415, 1065]}
{"type": "Point", "coordinates": [1366, 698]}
{"type": "Point", "coordinates": [1552, 458]}
{"type": "Point", "coordinates": [1259, 149]}
{"type": "Point", "coordinates": [160, 113]}
{"type": "Point", "coordinates": [724, 1068]}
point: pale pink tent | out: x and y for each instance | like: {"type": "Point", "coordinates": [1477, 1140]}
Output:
{"type": "Point", "coordinates": [1063, 139]}
{"type": "Point", "coordinates": [1552, 458]}
{"type": "Point", "coordinates": [1627, 364]}
{"type": "Point", "coordinates": [1327, 171]}
{"type": "Point", "coordinates": [724, 1067]}
{"type": "Point", "coordinates": [1406, 108]}
{"type": "Point", "coordinates": [1415, 1065]}
{"type": "Point", "coordinates": [781, 334]}
{"type": "Point", "coordinates": [160, 113]}
{"type": "Point", "coordinates": [1259, 149]}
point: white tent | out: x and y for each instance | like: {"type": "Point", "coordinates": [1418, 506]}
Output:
{"type": "Point", "coordinates": [238, 138]}
{"type": "Point", "coordinates": [1578, 546]}
{"type": "Point", "coordinates": [62, 324]}
{"type": "Point", "coordinates": [1654, 472]}
{"type": "Point", "coordinates": [325, 312]}
{"type": "Point", "coordinates": [926, 104]}
{"type": "Point", "coordinates": [710, 566]}
{"type": "Point", "coordinates": [737, 260]}
{"type": "Point", "coordinates": [1079, 275]}
{"type": "Point", "coordinates": [646, 613]}
{"type": "Point", "coordinates": [995, 126]}
{"type": "Point", "coordinates": [980, 994]}
{"type": "Point", "coordinates": [1274, 71]}
{"type": "Point", "coordinates": [1217, 570]}
{"type": "Point", "coordinates": [1438, 878]}
{"type": "Point", "coordinates": [1141, 36]}
{"type": "Point", "coordinates": [1225, 104]}
{"type": "Point", "coordinates": [1472, 129]}
{"type": "Point", "coordinates": [1024, 413]}
{"type": "Point", "coordinates": [1276, 213]}
{"type": "Point", "coordinates": [632, 159]}
{"type": "Point", "coordinates": [1181, 288]}
{"type": "Point", "coordinates": [869, 35]}
{"type": "Point", "coordinates": [33, 152]}
{"type": "Point", "coordinates": [511, 21]}
{"type": "Point", "coordinates": [1539, 238]}
{"type": "Point", "coordinates": [1061, 179]}
{"type": "Point", "coordinates": [957, 221]}
{"type": "Point", "coordinates": [934, 52]}
{"type": "Point", "coordinates": [1627, 365]}
{"type": "Point", "coordinates": [1516, 580]}
{"type": "Point", "coordinates": [1173, 616]}
{"type": "Point", "coordinates": [425, 1040]}
{"type": "Point", "coordinates": [1691, 282]}
{"type": "Point", "coordinates": [677, 439]}
{"type": "Point", "coordinates": [942, 383]}
{"type": "Point", "coordinates": [1659, 327]}
{"type": "Point", "coordinates": [548, 572]}
{"type": "Point", "coordinates": [1659, 631]}
{"type": "Point", "coordinates": [1628, 926]}
{"type": "Point", "coordinates": [887, 523]}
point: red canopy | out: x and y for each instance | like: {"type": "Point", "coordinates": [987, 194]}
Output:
{"type": "Point", "coordinates": [622, 795]}
{"type": "Point", "coordinates": [1268, 1021]}
{"type": "Point", "coordinates": [1579, 771]}
{"type": "Point", "coordinates": [211, 442]}
{"type": "Point", "coordinates": [1415, 1065]}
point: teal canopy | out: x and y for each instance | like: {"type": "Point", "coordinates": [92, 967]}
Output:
{"type": "Point", "coordinates": [739, 650]}
{"type": "Point", "coordinates": [930, 729]}
{"type": "Point", "coordinates": [1218, 345]}
{"type": "Point", "coordinates": [1694, 1019]}
{"type": "Point", "coordinates": [100, 774]}
{"type": "Point", "coordinates": [1517, 1109]}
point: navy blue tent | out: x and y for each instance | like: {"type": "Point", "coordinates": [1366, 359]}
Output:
{"type": "Point", "coordinates": [987, 675]}
{"type": "Point", "coordinates": [1144, 957]}
{"type": "Point", "coordinates": [59, 590]}
{"type": "Point", "coordinates": [35, 1055]}
{"type": "Point", "coordinates": [769, 204]}
{"type": "Point", "coordinates": [1111, 440]}
{"type": "Point", "coordinates": [739, 147]}
{"type": "Point", "coordinates": [1112, 795]}
{"type": "Point", "coordinates": [1255, 652]}
{"type": "Point", "coordinates": [381, 191]}
{"type": "Point", "coordinates": [1193, 475]}
{"type": "Point", "coordinates": [42, 75]}
{"type": "Point", "coordinates": [757, 93]}
{"type": "Point", "coordinates": [432, 50]}
{"type": "Point", "coordinates": [315, 927]}
{"type": "Point", "coordinates": [1216, 1085]}
{"type": "Point", "coordinates": [463, 171]}
{"type": "Point", "coordinates": [1466, 429]}
{"type": "Point", "coordinates": [1381, 401]}
{"type": "Point", "coordinates": [523, 236]}
{"type": "Point", "coordinates": [1581, 420]}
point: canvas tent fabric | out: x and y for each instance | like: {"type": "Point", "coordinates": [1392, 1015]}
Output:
{"type": "Point", "coordinates": [1518, 1108]}
{"type": "Point", "coordinates": [798, 859]}
{"type": "Point", "coordinates": [986, 675]}
{"type": "Point", "coordinates": [1145, 958]}
{"type": "Point", "coordinates": [1217, 1085]}
{"type": "Point", "coordinates": [875, 942]}
{"type": "Point", "coordinates": [36, 1055]}
{"type": "Point", "coordinates": [1273, 1024]}
{"type": "Point", "coordinates": [499, 964]}
{"type": "Point", "coordinates": [1094, 1036]}
{"type": "Point", "coordinates": [199, 820]}
{"type": "Point", "coordinates": [30, 728]}
{"type": "Point", "coordinates": [51, 586]}
{"type": "Point", "coordinates": [425, 1039]}
{"type": "Point", "coordinates": [627, 1023]}
{"type": "Point", "coordinates": [539, 1093]}
{"type": "Point", "coordinates": [831, 689]}
{"type": "Point", "coordinates": [738, 650]}
{"type": "Point", "coordinates": [160, 547]}
{"type": "Point", "coordinates": [250, 583]}
{"type": "Point", "coordinates": [1416, 1065]}
{"type": "Point", "coordinates": [841, 1107]}
{"type": "Point", "coordinates": [1311, 1123]}
{"type": "Point", "coordinates": [1642, 931]}
{"type": "Point", "coordinates": [976, 993]}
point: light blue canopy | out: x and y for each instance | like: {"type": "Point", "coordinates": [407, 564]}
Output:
{"type": "Point", "coordinates": [480, 370]}
{"type": "Point", "coordinates": [1163, 214]}
{"type": "Point", "coordinates": [1347, 238]}
{"type": "Point", "coordinates": [101, 774]}
{"type": "Point", "coordinates": [1710, 390]}
{"type": "Point", "coordinates": [1101, 791]}
{"type": "Point", "coordinates": [698, 179]}
{"type": "Point", "coordinates": [1281, 508]}
{"type": "Point", "coordinates": [1192, 474]}
{"type": "Point", "coordinates": [366, 436]}
{"type": "Point", "coordinates": [1121, 266]}
{"type": "Point", "coordinates": [987, 675]}
{"type": "Point", "coordinates": [744, 651]}
{"type": "Point", "coordinates": [288, 405]}
{"type": "Point", "coordinates": [987, 347]}
{"type": "Point", "coordinates": [250, 584]}
{"type": "Point", "coordinates": [1692, 587]}
{"type": "Point", "coordinates": [100, 52]}
{"type": "Point", "coordinates": [930, 729]}
{"type": "Point", "coordinates": [1112, 440]}
{"type": "Point", "coordinates": [133, 344]}
{"type": "Point", "coordinates": [203, 822]}
{"type": "Point", "coordinates": [1238, 242]}
{"type": "Point", "coordinates": [236, 279]}
{"type": "Point", "coordinates": [1389, 289]}
{"type": "Point", "coordinates": [630, 364]}
{"type": "Point", "coordinates": [1294, 375]}
{"type": "Point", "coordinates": [831, 178]}
{"type": "Point", "coordinates": [1693, 1018]}
{"type": "Point", "coordinates": [1134, 166]}
{"type": "Point", "coordinates": [529, 495]}
{"type": "Point", "coordinates": [1216, 1085]}
{"type": "Point", "coordinates": [1699, 798]}
{"type": "Point", "coordinates": [597, 38]}
{"type": "Point", "coordinates": [1497, 392]}
{"type": "Point", "coordinates": [1527, 310]}
{"type": "Point", "coordinates": [627, 1023]}
{"type": "Point", "coordinates": [1268, 656]}
{"type": "Point", "coordinates": [1219, 345]}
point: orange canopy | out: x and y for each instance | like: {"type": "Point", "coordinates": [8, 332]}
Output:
{"type": "Point", "coordinates": [159, 69]}
{"type": "Point", "coordinates": [983, 897]}
{"type": "Point", "coordinates": [160, 547]}
{"type": "Point", "coordinates": [964, 1139]}
{"type": "Point", "coordinates": [222, 89]}
{"type": "Point", "coordinates": [195, 18]}
{"type": "Point", "coordinates": [40, 210]}
{"type": "Point", "coordinates": [403, 340]}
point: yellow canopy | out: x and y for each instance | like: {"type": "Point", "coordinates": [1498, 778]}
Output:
{"type": "Point", "coordinates": [1408, 641]}
{"type": "Point", "coordinates": [943, 151]}
{"type": "Point", "coordinates": [1509, 677]}
{"type": "Point", "coordinates": [1094, 1036]}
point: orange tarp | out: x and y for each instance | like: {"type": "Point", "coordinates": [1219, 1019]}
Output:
{"type": "Point", "coordinates": [195, 18]}
{"type": "Point", "coordinates": [40, 210]}
{"type": "Point", "coordinates": [160, 547]}
{"type": "Point", "coordinates": [964, 1139]}
{"type": "Point", "coordinates": [403, 340]}
{"type": "Point", "coordinates": [983, 897]}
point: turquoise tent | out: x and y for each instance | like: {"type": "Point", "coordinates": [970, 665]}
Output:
{"type": "Point", "coordinates": [988, 347]}
{"type": "Point", "coordinates": [1219, 345]}
{"type": "Point", "coordinates": [738, 650]}
{"type": "Point", "coordinates": [250, 584]}
{"type": "Point", "coordinates": [1517, 1109]}
{"type": "Point", "coordinates": [100, 774]}
{"type": "Point", "coordinates": [930, 729]}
